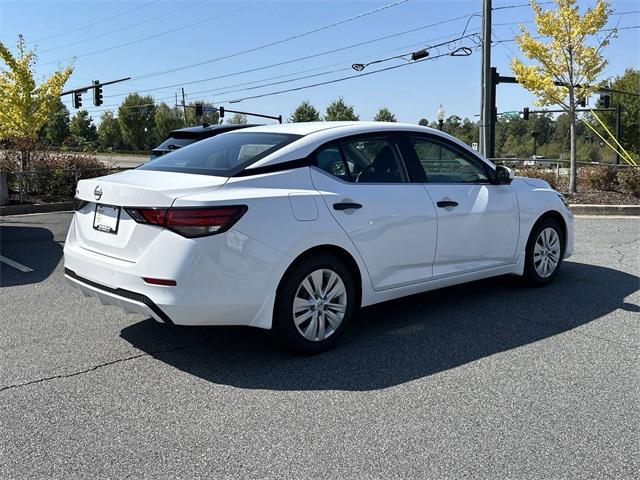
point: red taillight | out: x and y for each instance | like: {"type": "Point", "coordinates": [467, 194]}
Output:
{"type": "Point", "coordinates": [154, 216]}
{"type": "Point", "coordinates": [190, 222]}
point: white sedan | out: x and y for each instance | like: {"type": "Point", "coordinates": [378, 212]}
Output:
{"type": "Point", "coordinates": [293, 227]}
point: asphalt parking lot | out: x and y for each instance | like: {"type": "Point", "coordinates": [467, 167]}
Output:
{"type": "Point", "coordinates": [487, 380]}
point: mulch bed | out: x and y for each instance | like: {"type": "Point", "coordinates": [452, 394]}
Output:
{"type": "Point", "coordinates": [597, 197]}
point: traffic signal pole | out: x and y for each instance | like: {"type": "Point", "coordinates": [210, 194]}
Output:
{"type": "Point", "coordinates": [486, 101]}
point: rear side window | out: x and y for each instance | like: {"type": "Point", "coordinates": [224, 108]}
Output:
{"type": "Point", "coordinates": [222, 155]}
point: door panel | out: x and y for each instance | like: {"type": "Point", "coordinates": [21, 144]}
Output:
{"type": "Point", "coordinates": [480, 232]}
{"type": "Point", "coordinates": [478, 221]}
{"type": "Point", "coordinates": [394, 230]}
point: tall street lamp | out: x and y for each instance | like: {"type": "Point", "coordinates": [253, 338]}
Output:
{"type": "Point", "coordinates": [440, 117]}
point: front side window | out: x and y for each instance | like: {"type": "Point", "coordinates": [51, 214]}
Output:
{"type": "Point", "coordinates": [443, 164]}
{"type": "Point", "coordinates": [363, 161]}
{"type": "Point", "coordinates": [223, 155]}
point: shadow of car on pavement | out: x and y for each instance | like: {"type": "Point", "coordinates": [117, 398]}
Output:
{"type": "Point", "coordinates": [33, 247]}
{"type": "Point", "coordinates": [397, 341]}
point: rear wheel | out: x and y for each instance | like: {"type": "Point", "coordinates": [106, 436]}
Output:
{"type": "Point", "coordinates": [315, 304]}
{"type": "Point", "coordinates": [544, 252]}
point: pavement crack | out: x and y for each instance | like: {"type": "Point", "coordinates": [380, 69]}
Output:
{"type": "Point", "coordinates": [617, 251]}
{"type": "Point", "coordinates": [105, 364]}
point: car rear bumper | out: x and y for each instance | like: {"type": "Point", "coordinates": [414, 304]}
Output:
{"type": "Point", "coordinates": [130, 302]}
{"type": "Point", "coordinates": [226, 279]}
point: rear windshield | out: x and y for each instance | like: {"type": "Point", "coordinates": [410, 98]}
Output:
{"type": "Point", "coordinates": [222, 155]}
{"type": "Point", "coordinates": [173, 143]}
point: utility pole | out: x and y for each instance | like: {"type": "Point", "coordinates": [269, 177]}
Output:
{"type": "Point", "coordinates": [184, 108]}
{"type": "Point", "coordinates": [486, 110]}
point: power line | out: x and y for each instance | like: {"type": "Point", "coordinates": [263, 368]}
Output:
{"type": "Point", "coordinates": [97, 22]}
{"type": "Point", "coordinates": [629, 27]}
{"type": "Point", "coordinates": [306, 57]}
{"type": "Point", "coordinates": [165, 32]}
{"type": "Point", "coordinates": [135, 25]}
{"type": "Point", "coordinates": [274, 43]}
{"type": "Point", "coordinates": [328, 82]}
{"type": "Point", "coordinates": [304, 87]}
{"type": "Point", "coordinates": [345, 67]}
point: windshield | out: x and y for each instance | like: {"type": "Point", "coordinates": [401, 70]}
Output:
{"type": "Point", "coordinates": [222, 155]}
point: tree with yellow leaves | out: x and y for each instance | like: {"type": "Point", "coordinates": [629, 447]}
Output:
{"type": "Point", "coordinates": [25, 105]}
{"type": "Point", "coordinates": [568, 63]}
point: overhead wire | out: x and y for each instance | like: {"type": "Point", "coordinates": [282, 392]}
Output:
{"type": "Point", "coordinates": [303, 58]}
{"type": "Point", "coordinates": [122, 29]}
{"type": "Point", "coordinates": [96, 22]}
{"type": "Point", "coordinates": [164, 32]}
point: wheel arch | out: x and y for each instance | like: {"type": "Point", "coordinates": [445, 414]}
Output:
{"type": "Point", "coordinates": [557, 216]}
{"type": "Point", "coordinates": [336, 251]}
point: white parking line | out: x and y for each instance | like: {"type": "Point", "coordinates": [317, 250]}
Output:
{"type": "Point", "coordinates": [15, 264]}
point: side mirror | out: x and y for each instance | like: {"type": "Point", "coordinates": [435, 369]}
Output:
{"type": "Point", "coordinates": [503, 176]}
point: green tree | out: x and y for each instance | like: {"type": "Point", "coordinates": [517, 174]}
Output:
{"type": "Point", "coordinates": [305, 112]}
{"type": "Point", "coordinates": [166, 119]}
{"type": "Point", "coordinates": [109, 134]}
{"type": "Point", "coordinates": [237, 119]}
{"type": "Point", "coordinates": [567, 66]}
{"type": "Point", "coordinates": [83, 131]}
{"type": "Point", "coordinates": [24, 105]}
{"type": "Point", "coordinates": [56, 129]}
{"type": "Point", "coordinates": [136, 116]}
{"type": "Point", "coordinates": [338, 110]}
{"type": "Point", "coordinates": [384, 115]}
{"type": "Point", "coordinates": [423, 122]}
{"type": "Point", "coordinates": [630, 119]}
{"type": "Point", "coordinates": [212, 118]}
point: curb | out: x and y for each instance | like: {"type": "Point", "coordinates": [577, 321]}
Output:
{"type": "Point", "coordinates": [36, 208]}
{"type": "Point", "coordinates": [631, 210]}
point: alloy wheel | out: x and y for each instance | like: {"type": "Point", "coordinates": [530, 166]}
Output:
{"type": "Point", "coordinates": [319, 305]}
{"type": "Point", "coordinates": [546, 252]}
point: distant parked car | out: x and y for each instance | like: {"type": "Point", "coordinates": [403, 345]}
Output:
{"type": "Point", "coordinates": [186, 136]}
{"type": "Point", "coordinates": [293, 227]}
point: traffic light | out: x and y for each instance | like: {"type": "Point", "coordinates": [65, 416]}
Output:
{"type": "Point", "coordinates": [77, 99]}
{"type": "Point", "coordinates": [525, 113]}
{"type": "Point", "coordinates": [605, 100]}
{"type": "Point", "coordinates": [221, 111]}
{"type": "Point", "coordinates": [97, 93]}
{"type": "Point", "coordinates": [199, 109]}
{"type": "Point", "coordinates": [582, 101]}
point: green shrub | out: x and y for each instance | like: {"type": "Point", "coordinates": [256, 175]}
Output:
{"type": "Point", "coordinates": [50, 173]}
{"type": "Point", "coordinates": [602, 177]}
{"type": "Point", "coordinates": [629, 180]}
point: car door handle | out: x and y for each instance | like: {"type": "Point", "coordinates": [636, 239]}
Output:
{"type": "Point", "coordinates": [345, 206]}
{"type": "Point", "coordinates": [447, 203]}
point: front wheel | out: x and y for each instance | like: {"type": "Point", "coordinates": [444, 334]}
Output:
{"type": "Point", "coordinates": [315, 304]}
{"type": "Point", "coordinates": [545, 249]}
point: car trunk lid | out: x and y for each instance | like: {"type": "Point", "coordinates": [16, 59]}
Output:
{"type": "Point", "coordinates": [133, 188]}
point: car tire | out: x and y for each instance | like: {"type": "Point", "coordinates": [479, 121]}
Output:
{"type": "Point", "coordinates": [314, 304]}
{"type": "Point", "coordinates": [544, 252]}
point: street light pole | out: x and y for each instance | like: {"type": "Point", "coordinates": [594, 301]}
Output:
{"type": "Point", "coordinates": [440, 117]}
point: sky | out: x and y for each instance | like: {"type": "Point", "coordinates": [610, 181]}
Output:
{"type": "Point", "coordinates": [166, 45]}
